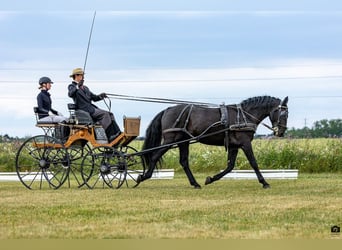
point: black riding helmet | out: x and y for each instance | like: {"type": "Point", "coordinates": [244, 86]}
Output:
{"type": "Point", "coordinates": [44, 79]}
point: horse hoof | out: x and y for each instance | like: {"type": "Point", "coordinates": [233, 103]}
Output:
{"type": "Point", "coordinates": [139, 179]}
{"type": "Point", "coordinates": [266, 186]}
{"type": "Point", "coordinates": [208, 180]}
{"type": "Point", "coordinates": [136, 184]}
{"type": "Point", "coordinates": [197, 187]}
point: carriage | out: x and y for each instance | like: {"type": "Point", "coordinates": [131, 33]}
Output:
{"type": "Point", "coordinates": [78, 151]}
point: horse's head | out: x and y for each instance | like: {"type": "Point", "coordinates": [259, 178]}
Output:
{"type": "Point", "coordinates": [278, 117]}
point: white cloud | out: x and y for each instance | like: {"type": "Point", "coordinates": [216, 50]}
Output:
{"type": "Point", "coordinates": [188, 61]}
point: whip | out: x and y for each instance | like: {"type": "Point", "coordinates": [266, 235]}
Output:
{"type": "Point", "coordinates": [91, 32]}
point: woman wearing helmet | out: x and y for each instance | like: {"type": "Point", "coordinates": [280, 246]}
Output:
{"type": "Point", "coordinates": [45, 111]}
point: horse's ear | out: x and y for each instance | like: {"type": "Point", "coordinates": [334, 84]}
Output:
{"type": "Point", "coordinates": [284, 102]}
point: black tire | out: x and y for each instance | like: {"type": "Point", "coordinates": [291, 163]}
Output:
{"type": "Point", "coordinates": [42, 162]}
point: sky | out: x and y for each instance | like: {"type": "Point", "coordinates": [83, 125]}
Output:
{"type": "Point", "coordinates": [195, 50]}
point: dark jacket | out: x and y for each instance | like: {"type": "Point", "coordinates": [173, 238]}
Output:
{"type": "Point", "coordinates": [44, 104]}
{"type": "Point", "coordinates": [83, 97]}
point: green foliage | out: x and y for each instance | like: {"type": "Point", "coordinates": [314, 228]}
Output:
{"type": "Point", "coordinates": [7, 156]}
{"type": "Point", "coordinates": [320, 129]}
{"type": "Point", "coordinates": [306, 155]}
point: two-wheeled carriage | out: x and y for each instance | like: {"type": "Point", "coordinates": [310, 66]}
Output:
{"type": "Point", "coordinates": [77, 152]}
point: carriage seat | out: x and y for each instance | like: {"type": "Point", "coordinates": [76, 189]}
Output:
{"type": "Point", "coordinates": [79, 116]}
{"type": "Point", "coordinates": [39, 122]}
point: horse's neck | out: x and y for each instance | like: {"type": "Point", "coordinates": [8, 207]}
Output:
{"type": "Point", "coordinates": [259, 108]}
{"type": "Point", "coordinates": [256, 115]}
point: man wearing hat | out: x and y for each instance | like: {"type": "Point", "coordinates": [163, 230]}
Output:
{"type": "Point", "coordinates": [83, 98]}
{"type": "Point", "coordinates": [45, 104]}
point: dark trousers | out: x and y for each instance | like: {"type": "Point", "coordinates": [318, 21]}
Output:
{"type": "Point", "coordinates": [107, 120]}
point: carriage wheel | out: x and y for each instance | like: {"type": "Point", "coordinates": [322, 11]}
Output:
{"type": "Point", "coordinates": [104, 166]}
{"type": "Point", "coordinates": [77, 152]}
{"type": "Point", "coordinates": [135, 165]}
{"type": "Point", "coordinates": [42, 161]}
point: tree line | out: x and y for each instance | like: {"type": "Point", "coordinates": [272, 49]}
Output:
{"type": "Point", "coordinates": [7, 138]}
{"type": "Point", "coordinates": [321, 129]}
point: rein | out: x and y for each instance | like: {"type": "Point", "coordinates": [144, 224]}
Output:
{"type": "Point", "coordinates": [158, 100]}
{"type": "Point", "coordinates": [175, 101]}
{"type": "Point", "coordinates": [262, 123]}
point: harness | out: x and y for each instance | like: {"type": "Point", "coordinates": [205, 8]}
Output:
{"type": "Point", "coordinates": [240, 124]}
{"type": "Point", "coordinates": [184, 128]}
{"type": "Point", "coordinates": [225, 123]}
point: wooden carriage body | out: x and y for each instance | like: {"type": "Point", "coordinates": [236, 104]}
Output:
{"type": "Point", "coordinates": [77, 151]}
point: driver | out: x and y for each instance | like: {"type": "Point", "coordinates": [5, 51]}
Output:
{"type": "Point", "coordinates": [83, 98]}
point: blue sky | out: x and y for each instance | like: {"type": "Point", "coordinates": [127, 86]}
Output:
{"type": "Point", "coordinates": [211, 51]}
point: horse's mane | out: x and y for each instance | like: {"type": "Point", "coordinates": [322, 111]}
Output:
{"type": "Point", "coordinates": [266, 101]}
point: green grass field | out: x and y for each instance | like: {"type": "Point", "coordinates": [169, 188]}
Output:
{"type": "Point", "coordinates": [305, 208]}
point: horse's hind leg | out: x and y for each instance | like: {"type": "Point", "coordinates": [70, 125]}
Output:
{"type": "Point", "coordinates": [232, 154]}
{"type": "Point", "coordinates": [184, 161]}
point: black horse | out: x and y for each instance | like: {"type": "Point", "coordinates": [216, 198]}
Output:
{"type": "Point", "coordinates": [232, 126]}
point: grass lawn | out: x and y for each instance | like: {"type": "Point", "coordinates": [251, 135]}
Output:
{"type": "Point", "coordinates": [305, 208]}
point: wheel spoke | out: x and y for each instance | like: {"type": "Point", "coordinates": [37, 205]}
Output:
{"type": "Point", "coordinates": [135, 165]}
{"type": "Point", "coordinates": [104, 166]}
{"type": "Point", "coordinates": [42, 161]}
{"type": "Point", "coordinates": [77, 152]}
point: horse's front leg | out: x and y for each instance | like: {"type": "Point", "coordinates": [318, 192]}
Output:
{"type": "Point", "coordinates": [184, 161]}
{"type": "Point", "coordinates": [247, 149]}
{"type": "Point", "coordinates": [232, 154]}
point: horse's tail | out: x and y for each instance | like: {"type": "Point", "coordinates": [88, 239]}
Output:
{"type": "Point", "coordinates": [153, 136]}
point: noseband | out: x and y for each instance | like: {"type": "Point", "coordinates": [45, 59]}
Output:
{"type": "Point", "coordinates": [282, 112]}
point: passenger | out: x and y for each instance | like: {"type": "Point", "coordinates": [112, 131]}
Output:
{"type": "Point", "coordinates": [83, 98]}
{"type": "Point", "coordinates": [45, 111]}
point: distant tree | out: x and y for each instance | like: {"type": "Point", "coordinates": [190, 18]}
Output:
{"type": "Point", "coordinates": [322, 128]}
{"type": "Point", "coordinates": [299, 133]}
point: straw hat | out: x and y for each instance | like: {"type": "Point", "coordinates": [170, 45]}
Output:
{"type": "Point", "coordinates": [77, 71]}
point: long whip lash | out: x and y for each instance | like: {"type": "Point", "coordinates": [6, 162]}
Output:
{"type": "Point", "coordinates": [91, 32]}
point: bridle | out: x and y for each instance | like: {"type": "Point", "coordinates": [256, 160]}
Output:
{"type": "Point", "coordinates": [282, 113]}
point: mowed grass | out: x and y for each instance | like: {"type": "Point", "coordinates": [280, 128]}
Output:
{"type": "Point", "coordinates": [305, 208]}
